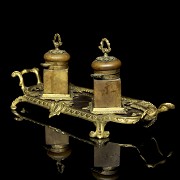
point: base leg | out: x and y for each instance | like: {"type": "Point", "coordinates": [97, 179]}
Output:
{"type": "Point", "coordinates": [99, 133]}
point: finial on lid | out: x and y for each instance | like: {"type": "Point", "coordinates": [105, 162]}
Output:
{"type": "Point", "coordinates": [56, 54]}
{"type": "Point", "coordinates": [57, 41]}
{"type": "Point", "coordinates": [105, 50]}
{"type": "Point", "coordinates": [105, 62]}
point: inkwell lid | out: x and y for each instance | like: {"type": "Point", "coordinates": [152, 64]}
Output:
{"type": "Point", "coordinates": [56, 56]}
{"type": "Point", "coordinates": [105, 62]}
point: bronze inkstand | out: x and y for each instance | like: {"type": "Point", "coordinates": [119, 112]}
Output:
{"type": "Point", "coordinates": [102, 104]}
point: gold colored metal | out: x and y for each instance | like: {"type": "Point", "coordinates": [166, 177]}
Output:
{"type": "Point", "coordinates": [137, 110]}
{"type": "Point", "coordinates": [57, 41]}
{"type": "Point", "coordinates": [83, 102]}
{"type": "Point", "coordinates": [105, 50]}
{"type": "Point", "coordinates": [21, 82]}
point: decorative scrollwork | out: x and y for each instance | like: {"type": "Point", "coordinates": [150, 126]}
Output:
{"type": "Point", "coordinates": [136, 110]}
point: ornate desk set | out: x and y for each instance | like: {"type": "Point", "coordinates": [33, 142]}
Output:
{"type": "Point", "coordinates": [100, 105]}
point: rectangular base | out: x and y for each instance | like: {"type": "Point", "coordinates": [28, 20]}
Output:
{"type": "Point", "coordinates": [56, 96]}
{"type": "Point", "coordinates": [118, 110]}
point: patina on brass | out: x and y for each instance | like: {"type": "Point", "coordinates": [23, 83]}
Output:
{"type": "Point", "coordinates": [55, 78]}
{"type": "Point", "coordinates": [107, 83]}
{"type": "Point", "coordinates": [85, 103]}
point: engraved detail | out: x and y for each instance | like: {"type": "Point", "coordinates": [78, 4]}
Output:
{"type": "Point", "coordinates": [56, 51]}
{"type": "Point", "coordinates": [105, 58]}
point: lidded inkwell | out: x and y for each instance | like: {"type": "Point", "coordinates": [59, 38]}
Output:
{"type": "Point", "coordinates": [55, 73]}
{"type": "Point", "coordinates": [107, 82]}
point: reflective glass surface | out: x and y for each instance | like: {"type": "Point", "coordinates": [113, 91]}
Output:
{"type": "Point", "coordinates": [60, 147]}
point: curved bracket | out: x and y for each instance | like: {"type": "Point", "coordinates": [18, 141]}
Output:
{"type": "Point", "coordinates": [21, 80]}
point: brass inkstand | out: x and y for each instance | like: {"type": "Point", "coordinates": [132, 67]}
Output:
{"type": "Point", "coordinates": [100, 105]}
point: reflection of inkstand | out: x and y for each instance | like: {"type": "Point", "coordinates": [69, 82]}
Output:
{"type": "Point", "coordinates": [105, 174]}
{"type": "Point", "coordinates": [106, 153]}
{"type": "Point", "coordinates": [59, 148]}
{"type": "Point", "coordinates": [106, 161]}
{"type": "Point", "coordinates": [107, 157]}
